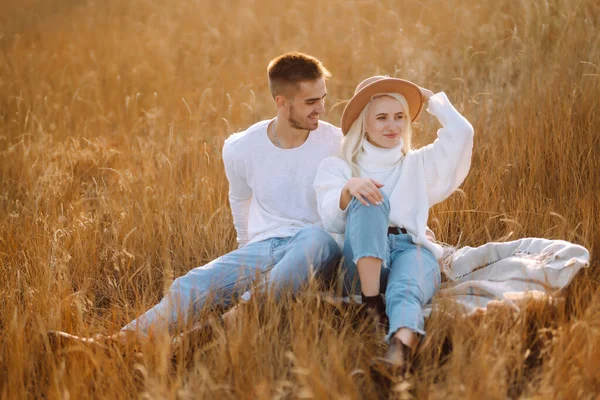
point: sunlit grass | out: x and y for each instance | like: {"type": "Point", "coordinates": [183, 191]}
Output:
{"type": "Point", "coordinates": [112, 118]}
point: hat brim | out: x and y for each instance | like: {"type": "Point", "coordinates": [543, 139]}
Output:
{"type": "Point", "coordinates": [411, 92]}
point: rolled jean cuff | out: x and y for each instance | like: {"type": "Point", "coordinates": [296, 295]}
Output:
{"type": "Point", "coordinates": [373, 255]}
{"type": "Point", "coordinates": [416, 330]}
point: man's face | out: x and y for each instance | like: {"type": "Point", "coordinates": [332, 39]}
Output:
{"type": "Point", "coordinates": [307, 104]}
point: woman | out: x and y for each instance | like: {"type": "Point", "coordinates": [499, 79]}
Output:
{"type": "Point", "coordinates": [379, 191]}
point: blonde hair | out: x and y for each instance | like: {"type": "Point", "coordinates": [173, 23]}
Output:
{"type": "Point", "coordinates": [352, 143]}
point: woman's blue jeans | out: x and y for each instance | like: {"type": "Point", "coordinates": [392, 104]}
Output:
{"type": "Point", "coordinates": [278, 264]}
{"type": "Point", "coordinates": [410, 274]}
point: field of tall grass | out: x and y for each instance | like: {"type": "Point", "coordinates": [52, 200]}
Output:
{"type": "Point", "coordinates": [112, 118]}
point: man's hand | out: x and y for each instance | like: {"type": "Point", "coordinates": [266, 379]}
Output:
{"type": "Point", "coordinates": [363, 189]}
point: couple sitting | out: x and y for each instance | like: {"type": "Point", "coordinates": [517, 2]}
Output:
{"type": "Point", "coordinates": [294, 182]}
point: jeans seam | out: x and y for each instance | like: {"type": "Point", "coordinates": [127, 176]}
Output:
{"type": "Point", "coordinates": [272, 251]}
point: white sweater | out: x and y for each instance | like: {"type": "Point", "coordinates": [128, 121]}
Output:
{"type": "Point", "coordinates": [419, 180]}
{"type": "Point", "coordinates": [271, 189]}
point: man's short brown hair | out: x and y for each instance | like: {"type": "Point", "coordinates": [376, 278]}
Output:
{"type": "Point", "coordinates": [290, 69]}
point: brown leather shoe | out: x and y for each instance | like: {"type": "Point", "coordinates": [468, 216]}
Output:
{"type": "Point", "coordinates": [200, 334]}
{"type": "Point", "coordinates": [397, 361]}
{"type": "Point", "coordinates": [186, 343]}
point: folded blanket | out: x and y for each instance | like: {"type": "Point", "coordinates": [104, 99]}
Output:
{"type": "Point", "coordinates": [508, 271]}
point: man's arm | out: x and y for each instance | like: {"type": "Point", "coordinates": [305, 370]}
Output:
{"type": "Point", "coordinates": [240, 193]}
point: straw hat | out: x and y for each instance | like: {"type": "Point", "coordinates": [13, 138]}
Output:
{"type": "Point", "coordinates": [381, 84]}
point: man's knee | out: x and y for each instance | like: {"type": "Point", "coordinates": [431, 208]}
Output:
{"type": "Point", "coordinates": [317, 237]}
{"type": "Point", "coordinates": [196, 283]}
{"type": "Point", "coordinates": [182, 289]}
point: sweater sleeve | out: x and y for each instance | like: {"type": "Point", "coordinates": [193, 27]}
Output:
{"type": "Point", "coordinates": [332, 175]}
{"type": "Point", "coordinates": [448, 159]}
{"type": "Point", "coordinates": [240, 194]}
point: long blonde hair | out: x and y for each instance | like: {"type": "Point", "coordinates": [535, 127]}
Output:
{"type": "Point", "coordinates": [352, 143]}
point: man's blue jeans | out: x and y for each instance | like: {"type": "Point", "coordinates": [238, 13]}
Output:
{"type": "Point", "coordinates": [410, 274]}
{"type": "Point", "coordinates": [280, 263]}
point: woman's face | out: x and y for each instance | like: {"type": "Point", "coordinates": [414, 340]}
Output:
{"type": "Point", "coordinates": [385, 122]}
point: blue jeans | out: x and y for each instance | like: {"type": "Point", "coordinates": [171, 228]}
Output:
{"type": "Point", "coordinates": [410, 274]}
{"type": "Point", "coordinates": [281, 263]}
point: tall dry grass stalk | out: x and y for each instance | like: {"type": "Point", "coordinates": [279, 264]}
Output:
{"type": "Point", "coordinates": [112, 117]}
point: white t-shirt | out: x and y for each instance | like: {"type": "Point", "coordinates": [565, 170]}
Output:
{"type": "Point", "coordinates": [271, 189]}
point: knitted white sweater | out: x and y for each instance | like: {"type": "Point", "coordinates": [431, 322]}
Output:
{"type": "Point", "coordinates": [271, 189]}
{"type": "Point", "coordinates": [421, 178]}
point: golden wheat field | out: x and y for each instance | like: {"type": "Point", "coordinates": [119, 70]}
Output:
{"type": "Point", "coordinates": [112, 118]}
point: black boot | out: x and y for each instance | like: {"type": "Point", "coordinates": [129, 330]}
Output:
{"type": "Point", "coordinates": [375, 306]}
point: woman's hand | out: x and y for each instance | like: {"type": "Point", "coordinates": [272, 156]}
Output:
{"type": "Point", "coordinates": [430, 235]}
{"type": "Point", "coordinates": [427, 93]}
{"type": "Point", "coordinates": [363, 189]}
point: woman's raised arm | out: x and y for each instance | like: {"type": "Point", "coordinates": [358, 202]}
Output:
{"type": "Point", "coordinates": [448, 159]}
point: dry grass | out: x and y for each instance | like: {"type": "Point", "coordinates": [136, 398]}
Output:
{"type": "Point", "coordinates": [112, 117]}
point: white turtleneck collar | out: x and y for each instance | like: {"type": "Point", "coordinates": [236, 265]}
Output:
{"type": "Point", "coordinates": [374, 159]}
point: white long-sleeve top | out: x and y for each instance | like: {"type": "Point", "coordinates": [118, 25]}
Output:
{"type": "Point", "coordinates": [271, 190]}
{"type": "Point", "coordinates": [420, 179]}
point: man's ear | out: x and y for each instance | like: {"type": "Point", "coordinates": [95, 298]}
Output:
{"type": "Point", "coordinates": [281, 101]}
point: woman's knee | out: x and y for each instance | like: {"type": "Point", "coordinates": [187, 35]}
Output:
{"type": "Point", "coordinates": [355, 205]}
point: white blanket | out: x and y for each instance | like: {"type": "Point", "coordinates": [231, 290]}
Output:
{"type": "Point", "coordinates": [508, 272]}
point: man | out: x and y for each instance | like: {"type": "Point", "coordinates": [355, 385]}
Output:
{"type": "Point", "coordinates": [270, 168]}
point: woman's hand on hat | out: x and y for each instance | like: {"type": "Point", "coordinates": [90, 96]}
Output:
{"type": "Point", "coordinates": [427, 93]}
{"type": "Point", "coordinates": [364, 189]}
